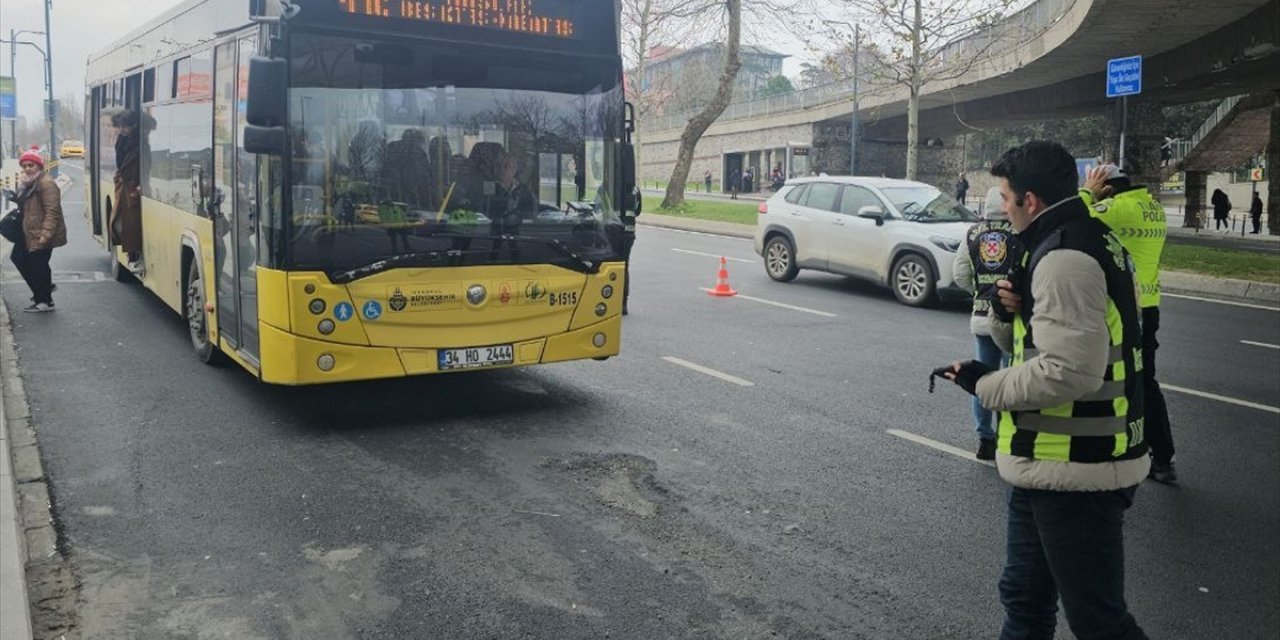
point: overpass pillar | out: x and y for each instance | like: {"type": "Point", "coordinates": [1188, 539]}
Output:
{"type": "Point", "coordinates": [1273, 166]}
{"type": "Point", "coordinates": [1143, 136]}
{"type": "Point", "coordinates": [1196, 183]}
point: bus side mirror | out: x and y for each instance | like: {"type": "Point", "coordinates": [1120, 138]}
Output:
{"type": "Point", "coordinates": [630, 201]}
{"type": "Point", "coordinates": [264, 140]}
{"type": "Point", "coordinates": [268, 99]}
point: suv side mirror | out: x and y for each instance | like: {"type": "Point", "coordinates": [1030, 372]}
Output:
{"type": "Point", "coordinates": [872, 212]}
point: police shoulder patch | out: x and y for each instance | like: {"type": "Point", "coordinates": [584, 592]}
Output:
{"type": "Point", "coordinates": [993, 249]}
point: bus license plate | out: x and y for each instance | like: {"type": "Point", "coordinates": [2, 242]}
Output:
{"type": "Point", "coordinates": [476, 357]}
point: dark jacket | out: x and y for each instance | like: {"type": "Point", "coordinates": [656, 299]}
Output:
{"type": "Point", "coordinates": [1221, 204]}
{"type": "Point", "coordinates": [42, 223]}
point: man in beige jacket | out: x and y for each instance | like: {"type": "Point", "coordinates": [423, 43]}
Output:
{"type": "Point", "coordinates": [1070, 433]}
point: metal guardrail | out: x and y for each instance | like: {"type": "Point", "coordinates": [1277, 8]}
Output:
{"type": "Point", "coordinates": [1182, 148]}
{"type": "Point", "coordinates": [1013, 31]}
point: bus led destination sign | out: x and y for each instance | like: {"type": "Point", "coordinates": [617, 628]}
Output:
{"type": "Point", "coordinates": [549, 18]}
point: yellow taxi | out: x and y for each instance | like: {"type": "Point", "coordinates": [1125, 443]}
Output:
{"type": "Point", "coordinates": [71, 149]}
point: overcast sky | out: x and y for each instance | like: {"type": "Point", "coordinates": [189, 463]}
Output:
{"type": "Point", "coordinates": [81, 27]}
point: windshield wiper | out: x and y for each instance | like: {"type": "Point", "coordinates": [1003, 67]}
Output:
{"type": "Point", "coordinates": [581, 264]}
{"type": "Point", "coordinates": [394, 261]}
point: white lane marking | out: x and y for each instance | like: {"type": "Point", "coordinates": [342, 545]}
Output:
{"type": "Point", "coordinates": [1214, 396]}
{"type": "Point", "coordinates": [782, 304]}
{"type": "Point", "coordinates": [1260, 344]}
{"type": "Point", "coordinates": [712, 255]}
{"type": "Point", "coordinates": [940, 446]}
{"type": "Point", "coordinates": [696, 233]}
{"type": "Point", "coordinates": [711, 372]}
{"type": "Point", "coordinates": [1226, 302]}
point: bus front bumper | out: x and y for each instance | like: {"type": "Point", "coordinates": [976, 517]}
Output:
{"type": "Point", "coordinates": [288, 359]}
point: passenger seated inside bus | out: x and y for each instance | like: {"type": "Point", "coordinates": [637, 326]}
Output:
{"type": "Point", "coordinates": [405, 170]}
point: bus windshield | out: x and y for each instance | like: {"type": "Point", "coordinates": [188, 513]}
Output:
{"type": "Point", "coordinates": [412, 153]}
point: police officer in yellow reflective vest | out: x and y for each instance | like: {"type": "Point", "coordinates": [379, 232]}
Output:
{"type": "Point", "coordinates": [1138, 221]}
{"type": "Point", "coordinates": [1070, 434]}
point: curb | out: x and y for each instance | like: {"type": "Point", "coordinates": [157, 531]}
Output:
{"type": "Point", "coordinates": [1171, 281]}
{"type": "Point", "coordinates": [15, 608]}
{"type": "Point", "coordinates": [1183, 282]}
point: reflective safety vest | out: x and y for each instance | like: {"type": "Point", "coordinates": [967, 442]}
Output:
{"type": "Point", "coordinates": [1138, 221]}
{"type": "Point", "coordinates": [1106, 425]}
{"type": "Point", "coordinates": [994, 250]}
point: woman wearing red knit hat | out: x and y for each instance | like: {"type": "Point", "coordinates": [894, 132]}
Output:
{"type": "Point", "coordinates": [40, 202]}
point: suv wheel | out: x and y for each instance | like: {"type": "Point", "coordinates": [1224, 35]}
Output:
{"type": "Point", "coordinates": [780, 259]}
{"type": "Point", "coordinates": [913, 280]}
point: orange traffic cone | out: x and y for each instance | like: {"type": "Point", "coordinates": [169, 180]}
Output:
{"type": "Point", "coordinates": [722, 282]}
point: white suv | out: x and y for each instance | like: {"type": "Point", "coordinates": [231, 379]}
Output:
{"type": "Point", "coordinates": [897, 233]}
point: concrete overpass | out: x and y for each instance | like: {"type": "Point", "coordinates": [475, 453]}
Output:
{"type": "Point", "coordinates": [1048, 62]}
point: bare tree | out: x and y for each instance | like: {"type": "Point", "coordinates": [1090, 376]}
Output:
{"type": "Point", "coordinates": [910, 48]}
{"type": "Point", "coordinates": [699, 123]}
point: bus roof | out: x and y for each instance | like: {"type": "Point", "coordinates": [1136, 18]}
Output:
{"type": "Point", "coordinates": [178, 29]}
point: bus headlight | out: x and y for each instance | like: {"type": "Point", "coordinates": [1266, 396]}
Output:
{"type": "Point", "coordinates": [326, 326]}
{"type": "Point", "coordinates": [601, 309]}
{"type": "Point", "coordinates": [607, 291]}
{"type": "Point", "coordinates": [317, 306]}
{"type": "Point", "coordinates": [598, 340]}
{"type": "Point", "coordinates": [326, 362]}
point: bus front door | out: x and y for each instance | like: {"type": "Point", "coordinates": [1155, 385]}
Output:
{"type": "Point", "coordinates": [235, 201]}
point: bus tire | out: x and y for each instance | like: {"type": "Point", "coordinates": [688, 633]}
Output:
{"type": "Point", "coordinates": [197, 320]}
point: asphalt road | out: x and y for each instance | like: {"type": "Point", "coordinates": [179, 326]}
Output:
{"type": "Point", "coordinates": [634, 498]}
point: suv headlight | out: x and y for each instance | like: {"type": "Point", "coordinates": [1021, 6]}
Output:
{"type": "Point", "coordinates": [950, 245]}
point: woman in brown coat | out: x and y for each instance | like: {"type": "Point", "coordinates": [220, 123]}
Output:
{"type": "Point", "coordinates": [43, 229]}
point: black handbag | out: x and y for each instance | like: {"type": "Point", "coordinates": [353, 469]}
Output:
{"type": "Point", "coordinates": [11, 226]}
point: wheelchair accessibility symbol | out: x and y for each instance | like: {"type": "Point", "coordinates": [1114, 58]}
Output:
{"type": "Point", "coordinates": [372, 310]}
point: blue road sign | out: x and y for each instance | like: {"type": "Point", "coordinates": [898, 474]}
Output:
{"type": "Point", "coordinates": [343, 311]}
{"type": "Point", "coordinates": [8, 106]}
{"type": "Point", "coordinates": [1124, 76]}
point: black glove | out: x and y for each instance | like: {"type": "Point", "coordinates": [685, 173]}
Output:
{"type": "Point", "coordinates": [970, 372]}
{"type": "Point", "coordinates": [992, 295]}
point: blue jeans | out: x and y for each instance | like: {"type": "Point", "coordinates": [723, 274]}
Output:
{"type": "Point", "coordinates": [990, 355]}
{"type": "Point", "coordinates": [1067, 544]}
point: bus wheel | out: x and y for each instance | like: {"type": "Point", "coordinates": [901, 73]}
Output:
{"type": "Point", "coordinates": [197, 321]}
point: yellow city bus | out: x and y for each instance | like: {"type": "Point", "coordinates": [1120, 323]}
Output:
{"type": "Point", "coordinates": [335, 190]}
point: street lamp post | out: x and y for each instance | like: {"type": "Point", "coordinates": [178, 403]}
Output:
{"type": "Point", "coordinates": [48, 83]}
{"type": "Point", "coordinates": [853, 124]}
{"type": "Point", "coordinates": [853, 118]}
{"type": "Point", "coordinates": [13, 71]}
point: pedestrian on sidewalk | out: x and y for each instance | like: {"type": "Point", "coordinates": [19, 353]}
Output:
{"type": "Point", "coordinates": [962, 188]}
{"type": "Point", "coordinates": [735, 181]}
{"type": "Point", "coordinates": [1255, 213]}
{"type": "Point", "coordinates": [43, 229]}
{"type": "Point", "coordinates": [1221, 209]}
{"type": "Point", "coordinates": [1070, 432]}
{"type": "Point", "coordinates": [706, 180]}
{"type": "Point", "coordinates": [1139, 222]}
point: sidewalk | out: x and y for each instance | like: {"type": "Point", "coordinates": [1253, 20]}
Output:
{"type": "Point", "coordinates": [15, 612]}
{"type": "Point", "coordinates": [1170, 281]}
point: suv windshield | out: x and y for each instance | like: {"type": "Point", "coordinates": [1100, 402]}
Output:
{"type": "Point", "coordinates": [926, 204]}
{"type": "Point", "coordinates": [425, 154]}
